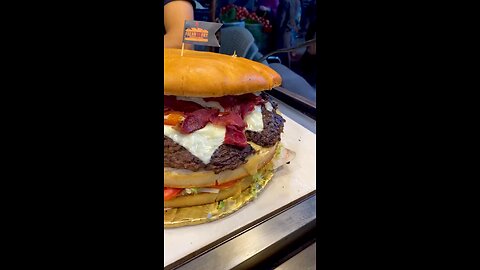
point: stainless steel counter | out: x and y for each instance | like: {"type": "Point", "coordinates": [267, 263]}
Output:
{"type": "Point", "coordinates": [249, 248]}
{"type": "Point", "coordinates": [305, 260]}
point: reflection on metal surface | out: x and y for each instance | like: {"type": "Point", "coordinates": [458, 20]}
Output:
{"type": "Point", "coordinates": [260, 241]}
{"type": "Point", "coordinates": [305, 260]}
{"type": "Point", "coordinates": [306, 103]}
{"type": "Point", "coordinates": [300, 103]}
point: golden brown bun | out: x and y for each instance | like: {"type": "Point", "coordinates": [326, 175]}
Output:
{"type": "Point", "coordinates": [206, 74]}
{"type": "Point", "coordinates": [206, 198]}
{"type": "Point", "coordinates": [176, 178]}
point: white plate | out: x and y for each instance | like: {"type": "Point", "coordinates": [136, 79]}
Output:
{"type": "Point", "coordinates": [289, 183]}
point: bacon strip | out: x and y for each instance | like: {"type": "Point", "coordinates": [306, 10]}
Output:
{"type": "Point", "coordinates": [229, 119]}
{"type": "Point", "coordinates": [241, 105]}
{"type": "Point", "coordinates": [235, 126]}
{"type": "Point", "coordinates": [235, 136]}
{"type": "Point", "coordinates": [197, 117]}
{"type": "Point", "coordinates": [172, 104]}
{"type": "Point", "coordinates": [197, 120]}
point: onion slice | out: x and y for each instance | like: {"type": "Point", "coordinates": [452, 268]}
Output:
{"type": "Point", "coordinates": [208, 190]}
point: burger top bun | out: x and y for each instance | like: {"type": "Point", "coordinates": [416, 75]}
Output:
{"type": "Point", "coordinates": [206, 74]}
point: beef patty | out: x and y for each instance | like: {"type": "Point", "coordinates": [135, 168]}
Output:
{"type": "Point", "coordinates": [226, 157]}
{"type": "Point", "coordinates": [272, 128]}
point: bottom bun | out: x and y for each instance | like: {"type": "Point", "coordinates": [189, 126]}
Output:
{"type": "Point", "coordinates": [218, 205]}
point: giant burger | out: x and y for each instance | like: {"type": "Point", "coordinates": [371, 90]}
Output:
{"type": "Point", "coordinates": [221, 134]}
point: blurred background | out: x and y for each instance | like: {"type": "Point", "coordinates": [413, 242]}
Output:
{"type": "Point", "coordinates": [258, 29]}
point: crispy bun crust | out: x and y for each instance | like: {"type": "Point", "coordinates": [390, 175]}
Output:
{"type": "Point", "coordinates": [206, 74]}
{"type": "Point", "coordinates": [176, 178]}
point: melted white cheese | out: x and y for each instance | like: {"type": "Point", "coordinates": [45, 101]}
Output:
{"type": "Point", "coordinates": [254, 120]}
{"type": "Point", "coordinates": [269, 107]}
{"type": "Point", "coordinates": [201, 143]}
{"type": "Point", "coordinates": [202, 102]}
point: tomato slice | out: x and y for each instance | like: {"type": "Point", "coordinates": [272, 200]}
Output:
{"type": "Point", "coordinates": [226, 185]}
{"type": "Point", "coordinates": [170, 193]}
{"type": "Point", "coordinates": [173, 118]}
